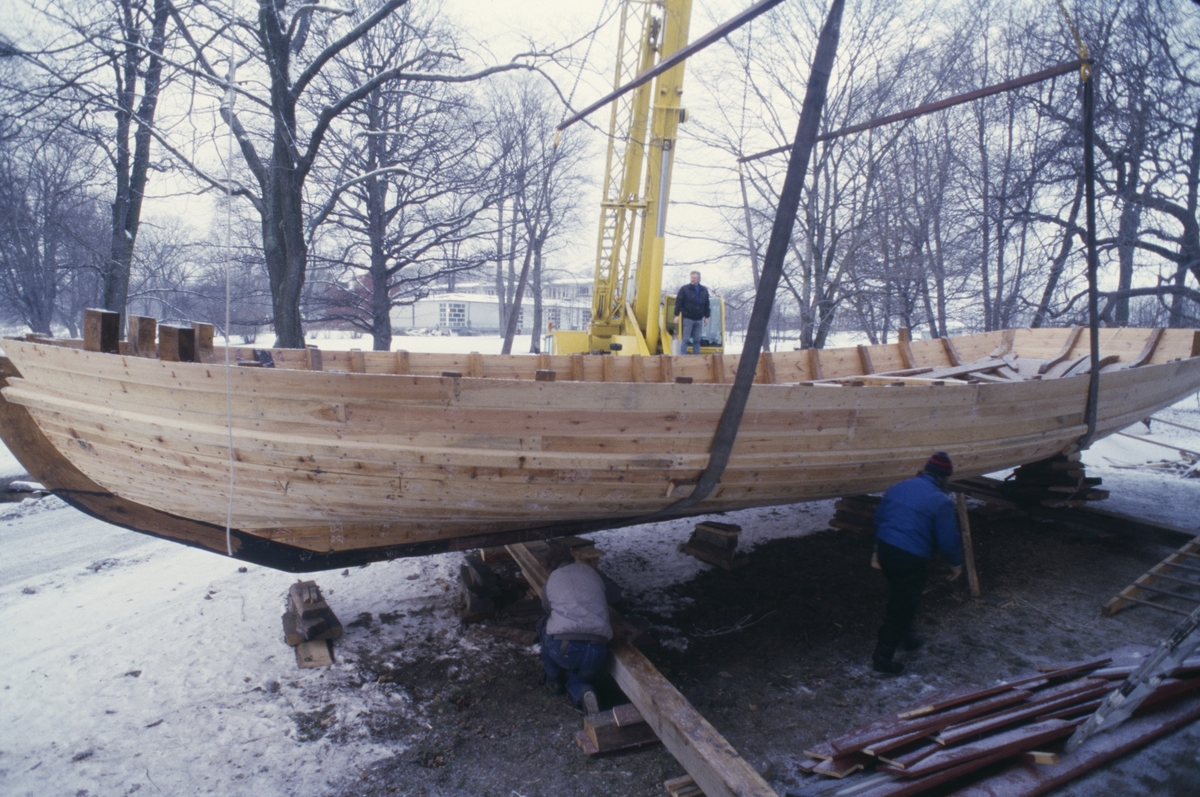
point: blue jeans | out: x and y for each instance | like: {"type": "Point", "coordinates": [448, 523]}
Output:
{"type": "Point", "coordinates": [579, 661]}
{"type": "Point", "coordinates": [691, 335]}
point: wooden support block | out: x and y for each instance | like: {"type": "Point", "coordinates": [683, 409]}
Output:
{"type": "Point", "coordinates": [726, 559]}
{"type": "Point", "coordinates": [296, 630]}
{"type": "Point", "coordinates": [577, 373]}
{"type": "Point", "coordinates": [141, 336]}
{"type": "Point", "coordinates": [403, 366]}
{"type": "Point", "coordinates": [316, 653]}
{"type": "Point", "coordinates": [475, 365]}
{"type": "Point", "coordinates": [306, 600]}
{"type": "Point", "coordinates": [358, 362]}
{"type": "Point", "coordinates": [101, 331]}
{"type": "Point", "coordinates": [607, 735]}
{"type": "Point", "coordinates": [312, 618]}
{"type": "Point", "coordinates": [544, 375]}
{"type": "Point", "coordinates": [204, 334]}
{"type": "Point", "coordinates": [682, 786]}
{"type": "Point", "coordinates": [312, 356]}
{"type": "Point", "coordinates": [176, 344]}
{"type": "Point", "coordinates": [964, 527]}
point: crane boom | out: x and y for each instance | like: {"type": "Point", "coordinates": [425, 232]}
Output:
{"type": "Point", "coordinates": [643, 126]}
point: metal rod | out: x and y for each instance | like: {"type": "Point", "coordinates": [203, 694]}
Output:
{"type": "Point", "coordinates": [922, 110]}
{"type": "Point", "coordinates": [717, 33]}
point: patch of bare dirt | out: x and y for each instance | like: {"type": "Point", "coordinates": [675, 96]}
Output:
{"type": "Point", "coordinates": [777, 658]}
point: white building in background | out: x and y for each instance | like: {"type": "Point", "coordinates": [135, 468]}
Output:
{"type": "Point", "coordinates": [472, 309]}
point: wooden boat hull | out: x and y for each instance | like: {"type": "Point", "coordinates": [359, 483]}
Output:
{"type": "Point", "coordinates": [335, 467]}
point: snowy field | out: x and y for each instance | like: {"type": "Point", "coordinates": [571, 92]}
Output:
{"type": "Point", "coordinates": [140, 666]}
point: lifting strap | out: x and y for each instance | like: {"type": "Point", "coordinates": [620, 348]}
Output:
{"type": "Point", "coordinates": [781, 233]}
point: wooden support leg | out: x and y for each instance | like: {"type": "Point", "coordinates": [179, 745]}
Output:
{"type": "Point", "coordinates": [964, 527]}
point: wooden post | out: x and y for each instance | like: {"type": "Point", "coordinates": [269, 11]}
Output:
{"type": "Point", "coordinates": [140, 338]}
{"type": "Point", "coordinates": [964, 526]}
{"type": "Point", "coordinates": [177, 344]}
{"type": "Point", "coordinates": [101, 331]}
{"type": "Point", "coordinates": [204, 340]}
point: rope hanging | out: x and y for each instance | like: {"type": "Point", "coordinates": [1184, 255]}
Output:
{"type": "Point", "coordinates": [230, 94]}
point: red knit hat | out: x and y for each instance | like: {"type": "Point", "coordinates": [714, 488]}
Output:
{"type": "Point", "coordinates": [939, 465]}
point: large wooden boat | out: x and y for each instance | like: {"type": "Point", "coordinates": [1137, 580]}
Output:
{"type": "Point", "coordinates": [348, 457]}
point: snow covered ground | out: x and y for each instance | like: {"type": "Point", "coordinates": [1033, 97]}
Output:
{"type": "Point", "coordinates": [136, 665]}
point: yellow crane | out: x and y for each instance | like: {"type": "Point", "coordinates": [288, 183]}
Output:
{"type": "Point", "coordinates": [642, 131]}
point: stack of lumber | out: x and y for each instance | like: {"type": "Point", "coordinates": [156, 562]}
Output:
{"type": "Point", "coordinates": [1056, 482]}
{"type": "Point", "coordinates": [856, 513]}
{"type": "Point", "coordinates": [1024, 721]}
{"type": "Point", "coordinates": [716, 543]}
{"type": "Point", "coordinates": [309, 625]}
{"type": "Point", "coordinates": [480, 590]}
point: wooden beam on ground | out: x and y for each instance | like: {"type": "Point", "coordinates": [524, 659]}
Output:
{"type": "Point", "coordinates": [711, 761]}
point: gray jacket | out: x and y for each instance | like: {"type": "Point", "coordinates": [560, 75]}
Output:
{"type": "Point", "coordinates": [574, 596]}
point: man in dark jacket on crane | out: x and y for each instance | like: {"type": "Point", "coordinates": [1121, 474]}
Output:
{"type": "Point", "coordinates": [693, 305]}
{"type": "Point", "coordinates": [915, 517]}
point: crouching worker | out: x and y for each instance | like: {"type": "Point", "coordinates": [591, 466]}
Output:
{"type": "Point", "coordinates": [575, 636]}
{"type": "Point", "coordinates": [914, 517]}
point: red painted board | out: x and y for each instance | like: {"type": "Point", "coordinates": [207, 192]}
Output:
{"type": "Point", "coordinates": [1029, 737]}
{"type": "Point", "coordinates": [1028, 780]}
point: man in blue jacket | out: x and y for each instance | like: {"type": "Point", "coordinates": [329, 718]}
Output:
{"type": "Point", "coordinates": [692, 310]}
{"type": "Point", "coordinates": [915, 517]}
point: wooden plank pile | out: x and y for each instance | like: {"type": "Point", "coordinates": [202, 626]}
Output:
{"type": "Point", "coordinates": [856, 513]}
{"type": "Point", "coordinates": [309, 625]}
{"type": "Point", "coordinates": [716, 543]}
{"type": "Point", "coordinates": [1056, 482]}
{"type": "Point", "coordinates": [1024, 721]}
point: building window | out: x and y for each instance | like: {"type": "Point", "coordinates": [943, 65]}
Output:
{"type": "Point", "coordinates": [452, 314]}
{"type": "Point", "coordinates": [554, 316]}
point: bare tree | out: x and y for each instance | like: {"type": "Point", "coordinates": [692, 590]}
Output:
{"type": "Point", "coordinates": [100, 77]}
{"type": "Point", "coordinates": [540, 173]}
{"type": "Point", "coordinates": [47, 228]}
{"type": "Point", "coordinates": [410, 178]}
{"type": "Point", "coordinates": [279, 136]}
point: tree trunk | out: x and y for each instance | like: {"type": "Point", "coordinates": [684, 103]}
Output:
{"type": "Point", "coordinates": [132, 169]}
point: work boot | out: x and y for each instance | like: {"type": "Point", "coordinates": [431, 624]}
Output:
{"type": "Point", "coordinates": [912, 642]}
{"type": "Point", "coordinates": [590, 705]}
{"type": "Point", "coordinates": [881, 660]}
